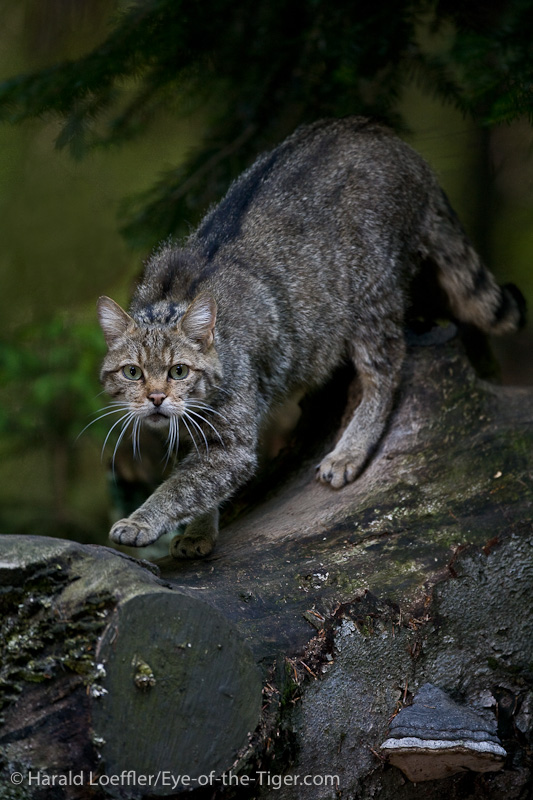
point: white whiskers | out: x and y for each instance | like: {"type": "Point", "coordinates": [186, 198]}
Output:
{"type": "Point", "coordinates": [196, 426]}
{"type": "Point", "coordinates": [130, 417]}
{"type": "Point", "coordinates": [190, 416]}
{"type": "Point", "coordinates": [193, 412]}
{"type": "Point", "coordinates": [137, 422]}
{"type": "Point", "coordinates": [116, 406]}
{"type": "Point", "coordinates": [173, 438]}
{"type": "Point", "coordinates": [203, 407]}
{"type": "Point", "coordinates": [125, 420]}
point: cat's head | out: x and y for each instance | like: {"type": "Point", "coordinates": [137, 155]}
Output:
{"type": "Point", "coordinates": [160, 369]}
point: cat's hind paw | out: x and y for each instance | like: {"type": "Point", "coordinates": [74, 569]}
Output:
{"type": "Point", "coordinates": [199, 537]}
{"type": "Point", "coordinates": [339, 468]}
{"type": "Point", "coordinates": [184, 546]}
{"type": "Point", "coordinates": [132, 533]}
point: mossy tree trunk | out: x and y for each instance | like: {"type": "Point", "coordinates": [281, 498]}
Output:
{"type": "Point", "coordinates": [287, 651]}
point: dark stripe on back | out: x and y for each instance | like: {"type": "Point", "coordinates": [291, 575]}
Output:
{"type": "Point", "coordinates": [224, 224]}
{"type": "Point", "coordinates": [180, 269]}
{"type": "Point", "coordinates": [207, 271]}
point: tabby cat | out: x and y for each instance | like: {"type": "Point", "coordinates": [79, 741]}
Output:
{"type": "Point", "coordinates": [306, 262]}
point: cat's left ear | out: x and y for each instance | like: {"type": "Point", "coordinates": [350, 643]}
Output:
{"type": "Point", "coordinates": [198, 322]}
{"type": "Point", "coordinates": [113, 320]}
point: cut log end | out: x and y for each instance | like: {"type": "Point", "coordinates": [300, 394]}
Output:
{"type": "Point", "coordinates": [176, 675]}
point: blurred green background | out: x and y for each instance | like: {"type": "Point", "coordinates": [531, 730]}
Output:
{"type": "Point", "coordinates": [62, 248]}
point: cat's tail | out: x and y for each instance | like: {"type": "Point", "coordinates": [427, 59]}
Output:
{"type": "Point", "coordinates": [473, 295]}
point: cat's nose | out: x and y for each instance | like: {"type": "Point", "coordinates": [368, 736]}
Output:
{"type": "Point", "coordinates": [156, 398]}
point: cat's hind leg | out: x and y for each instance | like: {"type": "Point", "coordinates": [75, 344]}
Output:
{"type": "Point", "coordinates": [378, 357]}
{"type": "Point", "coordinates": [198, 538]}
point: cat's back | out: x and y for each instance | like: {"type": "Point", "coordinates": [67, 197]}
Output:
{"type": "Point", "coordinates": [333, 191]}
{"type": "Point", "coordinates": [351, 168]}
{"type": "Point", "coordinates": [326, 220]}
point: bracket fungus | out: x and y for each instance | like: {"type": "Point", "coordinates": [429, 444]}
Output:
{"type": "Point", "coordinates": [436, 737]}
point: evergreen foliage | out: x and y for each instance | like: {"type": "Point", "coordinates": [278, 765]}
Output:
{"type": "Point", "coordinates": [49, 383]}
{"type": "Point", "coordinates": [260, 69]}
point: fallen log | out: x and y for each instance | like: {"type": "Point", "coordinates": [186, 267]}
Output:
{"type": "Point", "coordinates": [273, 667]}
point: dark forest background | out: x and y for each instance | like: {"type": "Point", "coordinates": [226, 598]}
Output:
{"type": "Point", "coordinates": [122, 122]}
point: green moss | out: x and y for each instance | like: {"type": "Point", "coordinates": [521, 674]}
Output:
{"type": "Point", "coordinates": [37, 644]}
{"type": "Point", "coordinates": [144, 677]}
{"type": "Point", "coordinates": [367, 626]}
{"type": "Point", "coordinates": [348, 585]}
{"type": "Point", "coordinates": [289, 689]}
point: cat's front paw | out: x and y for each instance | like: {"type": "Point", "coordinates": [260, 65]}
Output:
{"type": "Point", "coordinates": [184, 546]}
{"type": "Point", "coordinates": [132, 533]}
{"type": "Point", "coordinates": [339, 468]}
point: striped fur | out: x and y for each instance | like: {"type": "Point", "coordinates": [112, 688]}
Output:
{"type": "Point", "coordinates": [307, 262]}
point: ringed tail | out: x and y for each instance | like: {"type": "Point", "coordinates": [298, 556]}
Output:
{"type": "Point", "coordinates": [473, 294]}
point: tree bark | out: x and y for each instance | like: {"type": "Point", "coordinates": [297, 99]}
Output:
{"type": "Point", "coordinates": [273, 667]}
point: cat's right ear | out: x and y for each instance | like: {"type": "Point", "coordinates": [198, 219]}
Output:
{"type": "Point", "coordinates": [113, 320]}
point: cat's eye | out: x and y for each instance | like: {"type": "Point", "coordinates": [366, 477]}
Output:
{"type": "Point", "coordinates": [178, 372]}
{"type": "Point", "coordinates": [132, 373]}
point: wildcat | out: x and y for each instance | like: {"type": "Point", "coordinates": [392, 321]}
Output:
{"type": "Point", "coordinates": [305, 263]}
